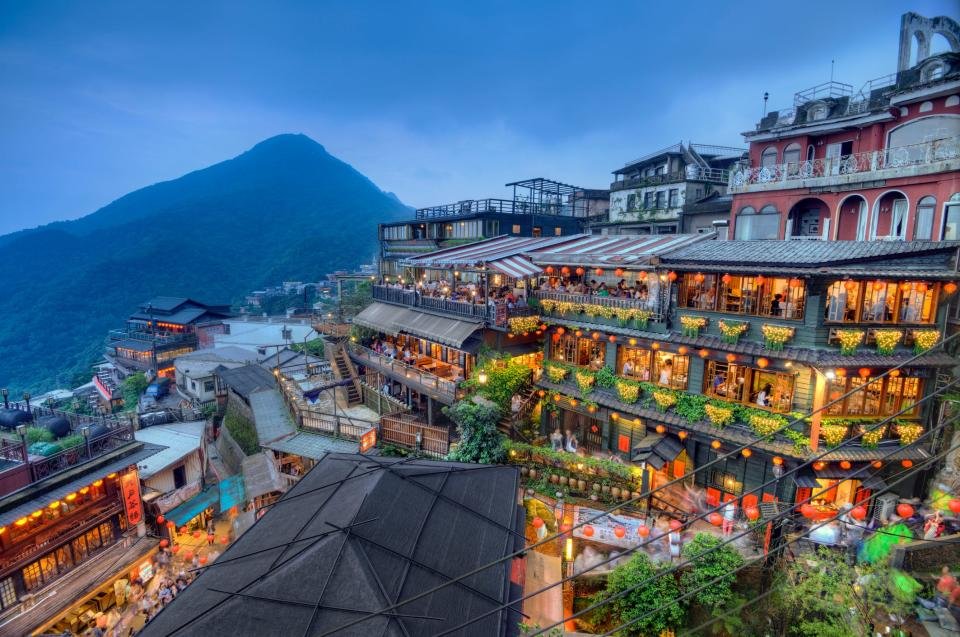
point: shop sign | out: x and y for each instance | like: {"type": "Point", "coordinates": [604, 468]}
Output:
{"type": "Point", "coordinates": [368, 440]}
{"type": "Point", "coordinates": [146, 571]}
{"type": "Point", "coordinates": [130, 490]}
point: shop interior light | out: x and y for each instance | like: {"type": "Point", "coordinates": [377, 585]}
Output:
{"type": "Point", "coordinates": [98, 483]}
{"type": "Point", "coordinates": [21, 522]}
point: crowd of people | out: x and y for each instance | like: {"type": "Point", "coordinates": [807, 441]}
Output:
{"type": "Point", "coordinates": [621, 290]}
{"type": "Point", "coordinates": [466, 292]}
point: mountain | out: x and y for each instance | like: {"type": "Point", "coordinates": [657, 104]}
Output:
{"type": "Point", "coordinates": [285, 209]}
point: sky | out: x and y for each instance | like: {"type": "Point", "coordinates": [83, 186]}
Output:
{"type": "Point", "coordinates": [434, 101]}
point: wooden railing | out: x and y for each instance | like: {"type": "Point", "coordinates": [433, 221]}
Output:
{"type": "Point", "coordinates": [90, 449]}
{"type": "Point", "coordinates": [334, 424]}
{"type": "Point", "coordinates": [607, 301]}
{"type": "Point", "coordinates": [409, 432]}
{"type": "Point", "coordinates": [396, 368]}
{"type": "Point", "coordinates": [496, 314]}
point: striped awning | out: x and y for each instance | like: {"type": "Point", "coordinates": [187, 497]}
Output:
{"type": "Point", "coordinates": [485, 252]}
{"type": "Point", "coordinates": [443, 330]}
{"type": "Point", "coordinates": [516, 267]}
{"type": "Point", "coordinates": [598, 250]}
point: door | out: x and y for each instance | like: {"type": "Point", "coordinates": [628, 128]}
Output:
{"type": "Point", "coordinates": [833, 158]}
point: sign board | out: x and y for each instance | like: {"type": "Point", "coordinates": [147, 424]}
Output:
{"type": "Point", "coordinates": [146, 571]}
{"type": "Point", "coordinates": [368, 440]}
{"type": "Point", "coordinates": [603, 528]}
{"type": "Point", "coordinates": [130, 491]}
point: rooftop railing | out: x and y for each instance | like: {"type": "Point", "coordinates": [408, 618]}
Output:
{"type": "Point", "coordinates": [160, 338]}
{"type": "Point", "coordinates": [495, 206]}
{"type": "Point", "coordinates": [928, 154]}
{"type": "Point", "coordinates": [495, 314]}
{"type": "Point", "coordinates": [386, 364]}
{"type": "Point", "coordinates": [691, 173]}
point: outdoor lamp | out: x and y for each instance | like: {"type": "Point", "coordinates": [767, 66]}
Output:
{"type": "Point", "coordinates": [482, 378]}
{"type": "Point", "coordinates": [830, 374]}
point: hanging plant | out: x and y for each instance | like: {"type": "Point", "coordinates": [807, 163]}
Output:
{"type": "Point", "coordinates": [523, 324]}
{"type": "Point", "coordinates": [872, 437]}
{"type": "Point", "coordinates": [664, 400]}
{"type": "Point", "coordinates": [641, 318]}
{"type": "Point", "coordinates": [548, 305]}
{"type": "Point", "coordinates": [628, 391]}
{"type": "Point", "coordinates": [556, 373]}
{"type": "Point", "coordinates": [623, 314]}
{"type": "Point", "coordinates": [719, 416]}
{"type": "Point", "coordinates": [585, 380]}
{"type": "Point", "coordinates": [924, 340]}
{"type": "Point", "coordinates": [887, 340]}
{"type": "Point", "coordinates": [732, 330]}
{"type": "Point", "coordinates": [909, 433]}
{"type": "Point", "coordinates": [765, 425]}
{"type": "Point", "coordinates": [691, 325]}
{"type": "Point", "coordinates": [775, 336]}
{"type": "Point", "coordinates": [833, 435]}
{"type": "Point", "coordinates": [849, 341]}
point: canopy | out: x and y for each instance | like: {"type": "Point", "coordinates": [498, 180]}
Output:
{"type": "Point", "coordinates": [441, 329]}
{"type": "Point", "coordinates": [656, 450]}
{"type": "Point", "coordinates": [516, 267]}
{"type": "Point", "coordinates": [487, 252]}
{"type": "Point", "coordinates": [231, 492]}
{"type": "Point", "coordinates": [381, 317]}
{"type": "Point", "coordinates": [613, 250]}
{"type": "Point", "coordinates": [194, 506]}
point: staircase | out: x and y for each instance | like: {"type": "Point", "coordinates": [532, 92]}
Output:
{"type": "Point", "coordinates": [511, 422]}
{"type": "Point", "coordinates": [343, 369]}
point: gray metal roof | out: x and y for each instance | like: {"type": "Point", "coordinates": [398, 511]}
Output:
{"type": "Point", "coordinates": [313, 446]}
{"type": "Point", "coordinates": [380, 531]}
{"type": "Point", "coordinates": [270, 415]}
{"type": "Point", "coordinates": [391, 319]}
{"type": "Point", "coordinates": [802, 253]}
{"type": "Point", "coordinates": [260, 475]}
{"type": "Point", "coordinates": [247, 379]}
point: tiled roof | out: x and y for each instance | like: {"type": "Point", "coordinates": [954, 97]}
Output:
{"type": "Point", "coordinates": [247, 379]}
{"type": "Point", "coordinates": [801, 253]}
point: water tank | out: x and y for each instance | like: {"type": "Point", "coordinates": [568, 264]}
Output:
{"type": "Point", "coordinates": [57, 425]}
{"type": "Point", "coordinates": [10, 418]}
{"type": "Point", "coordinates": [98, 430]}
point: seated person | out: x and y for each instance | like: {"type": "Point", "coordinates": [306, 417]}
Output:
{"type": "Point", "coordinates": [628, 367]}
{"type": "Point", "coordinates": [597, 363]}
{"type": "Point", "coordinates": [776, 305]}
{"type": "Point", "coordinates": [666, 372]}
{"type": "Point", "coordinates": [763, 398]}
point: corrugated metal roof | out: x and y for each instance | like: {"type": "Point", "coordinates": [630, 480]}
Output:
{"type": "Point", "coordinates": [484, 251]}
{"type": "Point", "coordinates": [516, 267]}
{"type": "Point", "coordinates": [180, 440]}
{"type": "Point", "coordinates": [247, 379]}
{"type": "Point", "coordinates": [614, 250]}
{"type": "Point", "coordinates": [441, 329]}
{"type": "Point", "coordinates": [260, 475]}
{"type": "Point", "coordinates": [800, 253]}
{"type": "Point", "coordinates": [313, 446]}
{"type": "Point", "coordinates": [382, 317]}
{"type": "Point", "coordinates": [270, 415]}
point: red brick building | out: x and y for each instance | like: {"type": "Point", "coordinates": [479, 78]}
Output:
{"type": "Point", "coordinates": [879, 163]}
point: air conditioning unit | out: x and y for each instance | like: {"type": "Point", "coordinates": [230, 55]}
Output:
{"type": "Point", "coordinates": [884, 507]}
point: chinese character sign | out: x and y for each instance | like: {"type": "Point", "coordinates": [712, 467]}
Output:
{"type": "Point", "coordinates": [368, 440]}
{"type": "Point", "coordinates": [130, 490]}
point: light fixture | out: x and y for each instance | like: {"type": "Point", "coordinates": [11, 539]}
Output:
{"type": "Point", "coordinates": [830, 374]}
{"type": "Point", "coordinates": [482, 378]}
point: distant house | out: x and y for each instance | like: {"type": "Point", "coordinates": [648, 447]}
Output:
{"type": "Point", "coordinates": [162, 329]}
{"type": "Point", "coordinates": [173, 476]}
{"type": "Point", "coordinates": [195, 371]}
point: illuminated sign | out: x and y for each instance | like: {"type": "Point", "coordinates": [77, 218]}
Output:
{"type": "Point", "coordinates": [130, 490]}
{"type": "Point", "coordinates": [368, 440]}
{"type": "Point", "coordinates": [146, 571]}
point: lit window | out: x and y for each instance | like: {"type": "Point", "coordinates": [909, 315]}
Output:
{"type": "Point", "coordinates": [558, 231]}
{"type": "Point", "coordinates": [516, 228]}
{"type": "Point", "coordinates": [670, 370]}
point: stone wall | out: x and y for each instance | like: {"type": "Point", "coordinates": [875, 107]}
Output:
{"type": "Point", "coordinates": [927, 557]}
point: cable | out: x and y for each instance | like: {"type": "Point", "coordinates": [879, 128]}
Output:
{"type": "Point", "coordinates": [729, 540]}
{"type": "Point", "coordinates": [906, 475]}
{"type": "Point", "coordinates": [662, 487]}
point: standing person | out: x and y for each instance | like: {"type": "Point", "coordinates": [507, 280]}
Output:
{"type": "Point", "coordinates": [556, 440]}
{"type": "Point", "coordinates": [729, 516]}
{"type": "Point", "coordinates": [666, 372]}
{"type": "Point", "coordinates": [675, 541]}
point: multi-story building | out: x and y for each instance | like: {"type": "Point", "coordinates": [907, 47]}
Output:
{"type": "Point", "coordinates": [680, 188]}
{"type": "Point", "coordinates": [163, 329]}
{"type": "Point", "coordinates": [881, 162]}
{"type": "Point", "coordinates": [736, 339]}
{"type": "Point", "coordinates": [538, 208]}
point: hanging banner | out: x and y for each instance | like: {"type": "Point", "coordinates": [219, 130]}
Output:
{"type": "Point", "coordinates": [130, 491]}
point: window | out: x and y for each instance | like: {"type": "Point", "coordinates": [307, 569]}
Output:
{"type": "Point", "coordinates": [8, 594]}
{"type": "Point", "coordinates": [648, 200]}
{"type": "Point", "coordinates": [932, 72]}
{"type": "Point", "coordinates": [817, 112]}
{"type": "Point", "coordinates": [734, 294]}
{"type": "Point", "coordinates": [208, 386]}
{"type": "Point", "coordinates": [874, 397]}
{"type": "Point", "coordinates": [661, 195]}
{"type": "Point", "coordinates": [671, 370]}
{"type": "Point", "coordinates": [726, 381]}
{"type": "Point", "coordinates": [537, 231]}
{"type": "Point", "coordinates": [515, 229]}
{"type": "Point", "coordinates": [791, 157]}
{"type": "Point", "coordinates": [558, 231]}
{"type": "Point", "coordinates": [923, 229]}
{"type": "Point", "coordinates": [698, 291]}
{"type": "Point", "coordinates": [745, 385]}
{"type": "Point", "coordinates": [634, 363]}
{"type": "Point", "coordinates": [752, 226]}
{"type": "Point", "coordinates": [179, 476]}
{"type": "Point", "coordinates": [632, 201]}
{"type": "Point", "coordinates": [581, 351]}
{"type": "Point", "coordinates": [674, 198]}
{"type": "Point", "coordinates": [769, 157]}
{"type": "Point", "coordinates": [666, 229]}
{"type": "Point", "coordinates": [951, 219]}
{"type": "Point", "coordinates": [661, 170]}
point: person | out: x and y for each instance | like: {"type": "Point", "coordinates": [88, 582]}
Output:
{"type": "Point", "coordinates": [572, 444]}
{"type": "Point", "coordinates": [908, 313]}
{"type": "Point", "coordinates": [515, 403]}
{"type": "Point", "coordinates": [945, 585]}
{"type": "Point", "coordinates": [718, 381]}
{"type": "Point", "coordinates": [729, 516]}
{"type": "Point", "coordinates": [675, 540]}
{"type": "Point", "coordinates": [597, 363]}
{"type": "Point", "coordinates": [763, 398]}
{"type": "Point", "coordinates": [776, 309]}
{"type": "Point", "coordinates": [666, 372]}
{"type": "Point", "coordinates": [707, 300]}
{"type": "Point", "coordinates": [556, 440]}
{"type": "Point", "coordinates": [933, 526]}
{"type": "Point", "coordinates": [628, 367]}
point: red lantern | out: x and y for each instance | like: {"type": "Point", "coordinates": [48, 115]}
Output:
{"type": "Point", "coordinates": [796, 283]}
{"type": "Point", "coordinates": [580, 271]}
{"type": "Point", "coordinates": [595, 336]}
{"type": "Point", "coordinates": [955, 505]}
{"type": "Point", "coordinates": [841, 372]}
{"type": "Point", "coordinates": [904, 510]}
{"type": "Point", "coordinates": [676, 525]}
{"type": "Point", "coordinates": [905, 287]}
{"type": "Point", "coordinates": [762, 363]}
{"type": "Point", "coordinates": [578, 333]}
{"type": "Point", "coordinates": [906, 463]}
{"type": "Point", "coordinates": [698, 277]}
{"type": "Point", "coordinates": [654, 345]}
{"type": "Point", "coordinates": [537, 522]}
{"type": "Point", "coordinates": [211, 537]}
{"type": "Point", "coordinates": [950, 287]}
{"type": "Point", "coordinates": [864, 372]}
{"type": "Point", "coordinates": [160, 519]}
{"type": "Point", "coordinates": [188, 556]}
{"type": "Point", "coordinates": [588, 531]}
{"type": "Point", "coordinates": [643, 530]}
{"type": "Point", "coordinates": [171, 525]}
{"type": "Point", "coordinates": [555, 338]}
{"type": "Point", "coordinates": [819, 465]}
{"type": "Point", "coordinates": [922, 287]}
{"type": "Point", "coordinates": [612, 338]}
{"type": "Point", "coordinates": [164, 543]}
{"type": "Point", "coordinates": [715, 519]}
{"type": "Point", "coordinates": [759, 280]}
{"type": "Point", "coordinates": [618, 272]}
{"type": "Point", "coordinates": [715, 444]}
{"type": "Point", "coordinates": [731, 358]}
{"type": "Point", "coordinates": [548, 269]}
{"type": "Point", "coordinates": [224, 540]}
{"type": "Point", "coordinates": [619, 531]}
{"type": "Point", "coordinates": [661, 429]}
{"type": "Point", "coordinates": [726, 278]}
{"type": "Point", "coordinates": [543, 327]}
{"type": "Point", "coordinates": [203, 559]}
{"type": "Point", "coordinates": [877, 464]}
{"type": "Point", "coordinates": [197, 534]}
{"type": "Point", "coordinates": [175, 548]}
{"type": "Point", "coordinates": [850, 285]}
{"type": "Point", "coordinates": [879, 285]}
{"type": "Point", "coordinates": [747, 453]}
{"type": "Point", "coordinates": [778, 461]}
{"type": "Point", "coordinates": [894, 373]}
{"type": "Point", "coordinates": [598, 271]}
{"type": "Point", "coordinates": [682, 435]}
{"type": "Point", "coordinates": [752, 513]}
{"type": "Point", "coordinates": [845, 465]}
{"type": "Point", "coordinates": [564, 270]}
{"type": "Point", "coordinates": [642, 276]}
{"type": "Point", "coordinates": [703, 353]}
{"type": "Point", "coordinates": [560, 331]}
{"type": "Point", "coordinates": [858, 512]}
{"type": "Point", "coordinates": [672, 277]}
{"type": "Point", "coordinates": [682, 350]}
{"type": "Point", "coordinates": [184, 530]}
{"type": "Point", "coordinates": [808, 511]}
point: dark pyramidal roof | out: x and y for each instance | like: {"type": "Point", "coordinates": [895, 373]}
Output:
{"type": "Point", "coordinates": [358, 534]}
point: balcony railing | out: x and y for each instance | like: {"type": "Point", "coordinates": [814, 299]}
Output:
{"type": "Point", "coordinates": [494, 314]}
{"type": "Point", "coordinates": [494, 206]}
{"type": "Point", "coordinates": [649, 305]}
{"type": "Point", "coordinates": [400, 370]}
{"type": "Point", "coordinates": [691, 173]}
{"type": "Point", "coordinates": [927, 157]}
{"type": "Point", "coordinates": [160, 338]}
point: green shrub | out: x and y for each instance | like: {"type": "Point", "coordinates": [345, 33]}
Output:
{"type": "Point", "coordinates": [242, 431]}
{"type": "Point", "coordinates": [605, 377]}
{"type": "Point", "coordinates": [715, 560]}
{"type": "Point", "coordinates": [480, 441]}
{"type": "Point", "coordinates": [69, 442]}
{"type": "Point", "coordinates": [647, 591]}
{"type": "Point", "coordinates": [38, 434]}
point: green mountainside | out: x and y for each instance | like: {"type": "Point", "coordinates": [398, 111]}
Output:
{"type": "Point", "coordinates": [285, 209]}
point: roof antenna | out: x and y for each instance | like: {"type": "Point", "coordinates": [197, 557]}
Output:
{"type": "Point", "coordinates": [831, 70]}
{"type": "Point", "coordinates": [766, 96]}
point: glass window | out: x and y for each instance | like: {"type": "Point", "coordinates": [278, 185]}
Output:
{"type": "Point", "coordinates": [725, 380]}
{"type": "Point", "coordinates": [791, 157]}
{"type": "Point", "coordinates": [784, 298]}
{"type": "Point", "coordinates": [698, 291]}
{"type": "Point", "coordinates": [923, 230]}
{"type": "Point", "coordinates": [671, 370]}
{"type": "Point", "coordinates": [674, 199]}
{"type": "Point", "coordinates": [879, 302]}
{"type": "Point", "coordinates": [558, 231]}
{"type": "Point", "coordinates": [774, 390]}
{"type": "Point", "coordinates": [769, 157]}
{"type": "Point", "coordinates": [31, 576]}
{"type": "Point", "coordinates": [634, 363]}
{"type": "Point", "coordinates": [843, 299]}
{"type": "Point", "coordinates": [661, 195]}
{"type": "Point", "coordinates": [951, 220]}
{"type": "Point", "coordinates": [738, 294]}
{"type": "Point", "coordinates": [581, 351]}
{"type": "Point", "coordinates": [8, 594]}
{"type": "Point", "coordinates": [745, 221]}
{"type": "Point", "coordinates": [874, 397]}
{"type": "Point", "coordinates": [648, 200]}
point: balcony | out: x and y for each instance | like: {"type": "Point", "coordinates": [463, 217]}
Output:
{"type": "Point", "coordinates": [692, 173]}
{"type": "Point", "coordinates": [495, 315]}
{"type": "Point", "coordinates": [443, 389]}
{"type": "Point", "coordinates": [941, 155]}
{"type": "Point", "coordinates": [159, 338]}
{"type": "Point", "coordinates": [582, 307]}
{"type": "Point", "coordinates": [494, 206]}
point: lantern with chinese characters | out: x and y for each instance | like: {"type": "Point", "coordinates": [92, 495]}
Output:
{"type": "Point", "coordinates": [752, 513]}
{"type": "Point", "coordinates": [619, 531]}
{"type": "Point", "coordinates": [904, 510]}
{"type": "Point", "coordinates": [587, 531]}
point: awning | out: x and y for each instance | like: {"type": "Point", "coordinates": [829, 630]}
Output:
{"type": "Point", "coordinates": [515, 267]}
{"type": "Point", "coordinates": [381, 317]}
{"type": "Point", "coordinates": [484, 252]}
{"type": "Point", "coordinates": [441, 329]}
{"type": "Point", "coordinates": [656, 450]}
{"type": "Point", "coordinates": [600, 250]}
{"type": "Point", "coordinates": [194, 506]}
{"type": "Point", "coordinates": [231, 492]}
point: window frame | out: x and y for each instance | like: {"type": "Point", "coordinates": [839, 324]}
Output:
{"type": "Point", "coordinates": [750, 381]}
{"type": "Point", "coordinates": [866, 294]}
{"type": "Point", "coordinates": [841, 385]}
{"type": "Point", "coordinates": [756, 301]}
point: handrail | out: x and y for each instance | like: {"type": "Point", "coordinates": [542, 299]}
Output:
{"type": "Point", "coordinates": [607, 301]}
{"type": "Point", "coordinates": [466, 309]}
{"type": "Point", "coordinates": [407, 371]}
{"type": "Point", "coordinates": [926, 153]}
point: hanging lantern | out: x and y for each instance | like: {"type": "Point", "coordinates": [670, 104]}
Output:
{"type": "Point", "coordinates": [543, 327]}
{"type": "Point", "coordinates": [588, 531]}
{"type": "Point", "coordinates": [196, 535]}
{"type": "Point", "coordinates": [614, 416]}
{"type": "Point", "coordinates": [171, 525]}
{"type": "Point", "coordinates": [537, 522]}
{"type": "Point", "coordinates": [877, 464]}
{"type": "Point", "coordinates": [904, 510]}
{"type": "Point", "coordinates": [619, 531]}
{"type": "Point", "coordinates": [203, 559]}
{"type": "Point", "coordinates": [747, 452]}
{"type": "Point", "coordinates": [819, 465]}
{"type": "Point", "coordinates": [188, 556]}
{"type": "Point", "coordinates": [661, 429]}
{"type": "Point", "coordinates": [879, 285]}
{"type": "Point", "coordinates": [759, 280]}
{"type": "Point", "coordinates": [864, 372]}
{"type": "Point", "coordinates": [954, 505]}
{"type": "Point", "coordinates": [224, 540]}
{"type": "Point", "coordinates": [921, 287]}
{"type": "Point", "coordinates": [905, 287]}
{"type": "Point", "coordinates": [715, 444]}
{"type": "Point", "coordinates": [592, 409]}
{"type": "Point", "coordinates": [654, 345]}
{"type": "Point", "coordinates": [894, 373]}
{"type": "Point", "coordinates": [595, 336]}
{"type": "Point", "coordinates": [682, 435]}
{"type": "Point", "coordinates": [715, 519]}
{"type": "Point", "coordinates": [211, 537]}
{"type": "Point", "coordinates": [840, 373]}
{"type": "Point", "coordinates": [777, 461]}
{"type": "Point", "coordinates": [633, 342]}
{"type": "Point", "coordinates": [175, 548]}
{"type": "Point", "coordinates": [703, 353]}
{"type": "Point", "coordinates": [762, 363]}
{"type": "Point", "coordinates": [698, 277]}
{"type": "Point", "coordinates": [578, 333]}
{"type": "Point", "coordinates": [560, 331]}
{"type": "Point", "coordinates": [845, 465]}
{"type": "Point", "coordinates": [555, 338]}
{"type": "Point", "coordinates": [796, 283]}
{"type": "Point", "coordinates": [726, 278]}
{"type": "Point", "coordinates": [906, 463]}
{"type": "Point", "coordinates": [618, 272]}
{"type": "Point", "coordinates": [160, 519]}
{"type": "Point", "coordinates": [598, 271]}
{"type": "Point", "coordinates": [850, 285]}
{"type": "Point", "coordinates": [950, 287]}
{"type": "Point", "coordinates": [164, 543]}
{"type": "Point", "coordinates": [541, 393]}
{"type": "Point", "coordinates": [672, 276]}
{"type": "Point", "coordinates": [564, 270]}
{"type": "Point", "coordinates": [643, 531]}
{"type": "Point", "coordinates": [612, 338]}
{"type": "Point", "coordinates": [184, 530]}
{"type": "Point", "coordinates": [642, 276]}
{"type": "Point", "coordinates": [573, 402]}
{"type": "Point", "coordinates": [858, 512]}
{"type": "Point", "coordinates": [676, 525]}
{"type": "Point", "coordinates": [752, 513]}
{"type": "Point", "coordinates": [731, 358]}
{"type": "Point", "coordinates": [682, 350]}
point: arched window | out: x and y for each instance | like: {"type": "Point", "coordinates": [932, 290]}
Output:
{"type": "Point", "coordinates": [769, 157]}
{"type": "Point", "coordinates": [951, 219]}
{"type": "Point", "coordinates": [923, 226]}
{"type": "Point", "coordinates": [791, 157]}
{"type": "Point", "coordinates": [745, 222]}
{"type": "Point", "coordinates": [810, 152]}
{"type": "Point", "coordinates": [752, 226]}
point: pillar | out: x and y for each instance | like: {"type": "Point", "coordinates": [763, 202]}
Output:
{"type": "Point", "coordinates": [429, 410]}
{"type": "Point", "coordinates": [819, 399]}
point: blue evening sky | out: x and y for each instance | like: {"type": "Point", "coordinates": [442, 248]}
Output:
{"type": "Point", "coordinates": [435, 101]}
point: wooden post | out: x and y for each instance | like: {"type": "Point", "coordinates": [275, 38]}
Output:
{"type": "Point", "coordinates": [429, 410]}
{"type": "Point", "coordinates": [819, 399]}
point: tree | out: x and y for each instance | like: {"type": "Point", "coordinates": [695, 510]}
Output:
{"type": "Point", "coordinates": [504, 379]}
{"type": "Point", "coordinates": [480, 441]}
{"type": "Point", "coordinates": [714, 561]}
{"type": "Point", "coordinates": [133, 387]}
{"type": "Point", "coordinates": [654, 591]}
